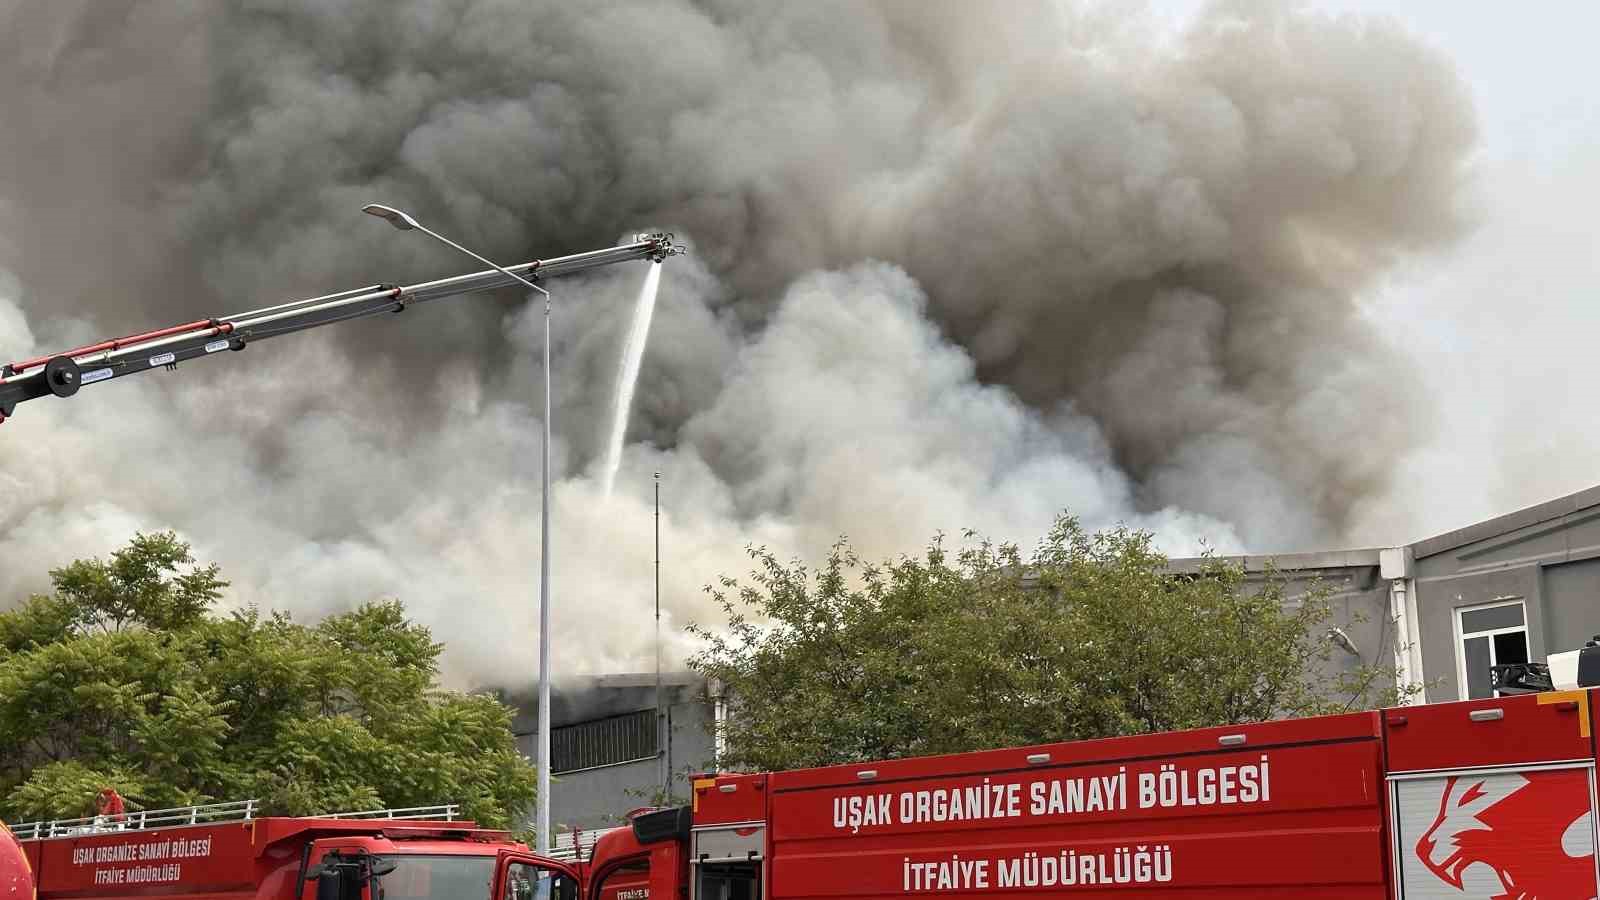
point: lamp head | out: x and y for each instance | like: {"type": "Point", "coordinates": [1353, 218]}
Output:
{"type": "Point", "coordinates": [394, 216]}
{"type": "Point", "coordinates": [1343, 642]}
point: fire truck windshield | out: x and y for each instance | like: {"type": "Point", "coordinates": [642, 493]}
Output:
{"type": "Point", "coordinates": [422, 877]}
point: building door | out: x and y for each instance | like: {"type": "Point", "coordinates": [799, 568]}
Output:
{"type": "Point", "coordinates": [1487, 636]}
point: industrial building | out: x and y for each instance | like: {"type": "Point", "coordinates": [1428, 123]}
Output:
{"type": "Point", "coordinates": [1442, 611]}
{"type": "Point", "coordinates": [613, 748]}
{"type": "Point", "coordinates": [1439, 611]}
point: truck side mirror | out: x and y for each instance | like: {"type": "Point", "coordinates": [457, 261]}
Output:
{"type": "Point", "coordinates": [330, 884]}
{"type": "Point", "coordinates": [341, 878]}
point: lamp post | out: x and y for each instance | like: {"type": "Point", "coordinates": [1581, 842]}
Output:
{"type": "Point", "coordinates": [542, 817]}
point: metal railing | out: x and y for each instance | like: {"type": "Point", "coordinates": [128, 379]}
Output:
{"type": "Point", "coordinates": [142, 820]}
{"type": "Point", "coordinates": [448, 812]}
{"type": "Point", "coordinates": [205, 814]}
{"type": "Point", "coordinates": [574, 846]}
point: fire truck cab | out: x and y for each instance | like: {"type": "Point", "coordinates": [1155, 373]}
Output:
{"type": "Point", "coordinates": [225, 851]}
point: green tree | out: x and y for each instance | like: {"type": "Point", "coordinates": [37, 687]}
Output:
{"type": "Point", "coordinates": [1089, 636]}
{"type": "Point", "coordinates": [123, 677]}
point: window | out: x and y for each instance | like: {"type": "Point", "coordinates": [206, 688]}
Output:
{"type": "Point", "coordinates": [603, 742]}
{"type": "Point", "coordinates": [435, 878]}
{"type": "Point", "coordinates": [1488, 636]}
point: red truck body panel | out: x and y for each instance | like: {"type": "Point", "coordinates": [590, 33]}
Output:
{"type": "Point", "coordinates": [721, 799]}
{"type": "Point", "coordinates": [1479, 800]}
{"type": "Point", "coordinates": [1506, 731]}
{"type": "Point", "coordinates": [211, 861]}
{"type": "Point", "coordinates": [1244, 811]}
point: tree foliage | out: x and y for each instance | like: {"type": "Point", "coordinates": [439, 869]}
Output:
{"type": "Point", "coordinates": [1090, 636]}
{"type": "Point", "coordinates": [124, 677]}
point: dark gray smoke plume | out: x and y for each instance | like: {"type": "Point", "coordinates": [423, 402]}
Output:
{"type": "Point", "coordinates": [955, 265]}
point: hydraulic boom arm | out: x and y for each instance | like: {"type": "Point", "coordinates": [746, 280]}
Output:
{"type": "Point", "coordinates": [62, 374]}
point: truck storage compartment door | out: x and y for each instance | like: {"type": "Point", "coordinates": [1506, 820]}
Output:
{"type": "Point", "coordinates": [728, 862]}
{"type": "Point", "coordinates": [1492, 833]}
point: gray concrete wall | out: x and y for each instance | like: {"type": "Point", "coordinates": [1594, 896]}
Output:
{"type": "Point", "coordinates": [1547, 556]}
{"type": "Point", "coordinates": [1571, 592]}
{"type": "Point", "coordinates": [1360, 606]}
{"type": "Point", "coordinates": [1438, 598]}
{"type": "Point", "coordinates": [1358, 598]}
{"type": "Point", "coordinates": [597, 797]}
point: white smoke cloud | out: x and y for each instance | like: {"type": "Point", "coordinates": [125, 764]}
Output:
{"type": "Point", "coordinates": [848, 414]}
{"type": "Point", "coordinates": [851, 414]}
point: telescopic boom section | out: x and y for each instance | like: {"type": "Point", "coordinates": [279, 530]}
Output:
{"type": "Point", "coordinates": [62, 374]}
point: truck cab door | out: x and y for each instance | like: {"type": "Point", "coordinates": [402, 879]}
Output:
{"type": "Point", "coordinates": [627, 879]}
{"type": "Point", "coordinates": [521, 876]}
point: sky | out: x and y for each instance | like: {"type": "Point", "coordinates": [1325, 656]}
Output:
{"type": "Point", "coordinates": [1503, 327]}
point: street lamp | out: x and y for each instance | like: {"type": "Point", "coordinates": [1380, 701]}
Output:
{"type": "Point", "coordinates": [542, 818]}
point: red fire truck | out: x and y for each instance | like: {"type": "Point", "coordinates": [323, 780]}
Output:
{"type": "Point", "coordinates": [1491, 799]}
{"type": "Point", "coordinates": [225, 851]}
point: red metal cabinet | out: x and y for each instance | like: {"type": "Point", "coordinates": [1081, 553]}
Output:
{"type": "Point", "coordinates": [1503, 731]}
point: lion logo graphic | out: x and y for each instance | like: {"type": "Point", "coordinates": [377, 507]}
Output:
{"type": "Point", "coordinates": [1507, 836]}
